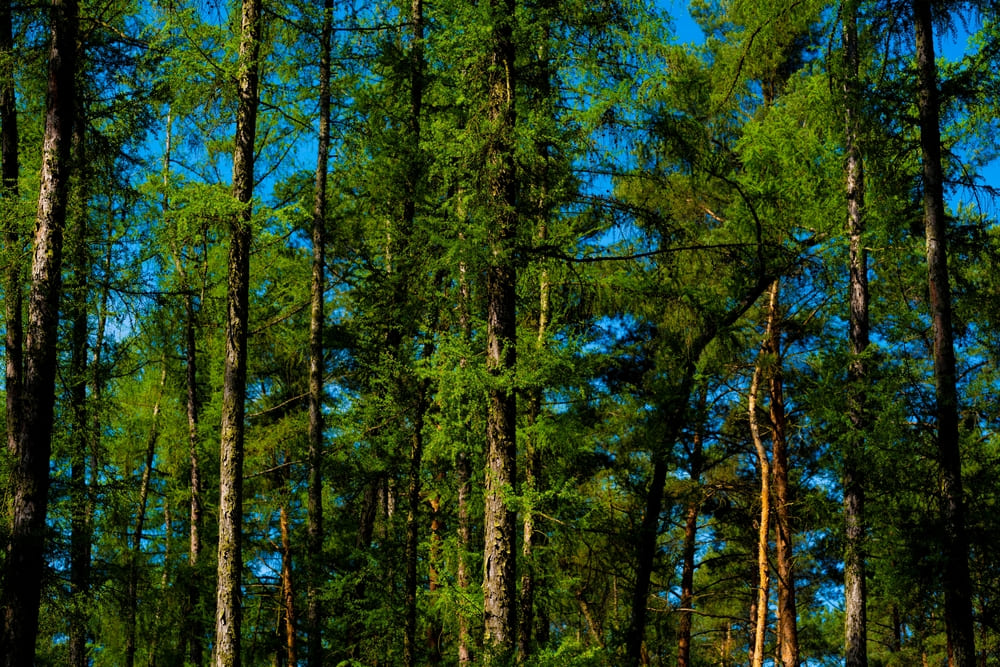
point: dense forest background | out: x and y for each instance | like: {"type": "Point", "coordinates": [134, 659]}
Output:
{"type": "Point", "coordinates": [512, 331]}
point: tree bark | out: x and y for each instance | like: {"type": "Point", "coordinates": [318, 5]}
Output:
{"type": "Point", "coordinates": [314, 529]}
{"type": "Point", "coordinates": [759, 621]}
{"type": "Point", "coordinates": [30, 470]}
{"type": "Point", "coordinates": [228, 616]}
{"type": "Point", "coordinates": [787, 617]}
{"type": "Point", "coordinates": [855, 595]}
{"type": "Point", "coordinates": [956, 578]}
{"type": "Point", "coordinates": [287, 591]}
{"type": "Point", "coordinates": [499, 554]}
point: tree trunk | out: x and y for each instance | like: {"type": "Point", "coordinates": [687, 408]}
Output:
{"type": "Point", "coordinates": [855, 614]}
{"type": "Point", "coordinates": [956, 579]}
{"type": "Point", "coordinates": [499, 555]}
{"type": "Point", "coordinates": [30, 468]}
{"type": "Point", "coordinates": [287, 591]}
{"type": "Point", "coordinates": [760, 620]}
{"type": "Point", "coordinates": [787, 618]}
{"type": "Point", "coordinates": [13, 276]}
{"type": "Point", "coordinates": [230, 564]}
{"type": "Point", "coordinates": [691, 514]}
{"type": "Point", "coordinates": [314, 541]}
{"type": "Point", "coordinates": [463, 577]}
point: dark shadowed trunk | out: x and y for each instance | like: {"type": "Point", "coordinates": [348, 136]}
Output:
{"type": "Point", "coordinates": [314, 528]}
{"type": "Point", "coordinates": [228, 615]}
{"type": "Point", "coordinates": [30, 470]}
{"type": "Point", "coordinates": [956, 580]}
{"type": "Point", "coordinates": [10, 194]}
{"type": "Point", "coordinates": [691, 513]}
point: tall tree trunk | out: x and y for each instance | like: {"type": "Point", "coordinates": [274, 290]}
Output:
{"type": "Point", "coordinates": [10, 191]}
{"type": "Point", "coordinates": [228, 616]}
{"type": "Point", "coordinates": [314, 528]}
{"type": "Point", "coordinates": [759, 621]}
{"type": "Point", "coordinates": [956, 579]}
{"type": "Point", "coordinates": [132, 595]}
{"type": "Point", "coordinates": [499, 554]}
{"type": "Point", "coordinates": [788, 635]}
{"type": "Point", "coordinates": [30, 471]}
{"type": "Point", "coordinates": [855, 614]}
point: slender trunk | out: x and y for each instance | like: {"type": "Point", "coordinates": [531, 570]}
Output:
{"type": "Point", "coordinates": [132, 595]}
{"type": "Point", "coordinates": [30, 470]}
{"type": "Point", "coordinates": [13, 276]}
{"type": "Point", "coordinates": [760, 620]}
{"type": "Point", "coordinates": [463, 473]}
{"type": "Point", "coordinates": [787, 618]}
{"type": "Point", "coordinates": [691, 514]}
{"type": "Point", "coordinates": [287, 591]}
{"type": "Point", "coordinates": [228, 615]}
{"type": "Point", "coordinates": [464, 578]}
{"type": "Point", "coordinates": [855, 595]}
{"type": "Point", "coordinates": [314, 529]}
{"type": "Point", "coordinates": [499, 555]}
{"type": "Point", "coordinates": [434, 629]}
{"type": "Point", "coordinates": [956, 578]}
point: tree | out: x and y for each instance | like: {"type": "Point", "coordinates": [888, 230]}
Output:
{"type": "Point", "coordinates": [499, 192]}
{"type": "Point", "coordinates": [24, 563]}
{"type": "Point", "coordinates": [316, 363]}
{"type": "Point", "coordinates": [228, 615]}
{"type": "Point", "coordinates": [855, 616]}
{"type": "Point", "coordinates": [957, 582]}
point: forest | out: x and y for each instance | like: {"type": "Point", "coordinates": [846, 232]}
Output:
{"type": "Point", "coordinates": [534, 332]}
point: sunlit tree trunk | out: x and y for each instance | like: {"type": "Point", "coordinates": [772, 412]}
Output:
{"type": "Point", "coordinates": [956, 579]}
{"type": "Point", "coordinates": [855, 614]}
{"type": "Point", "coordinates": [787, 617]}
{"type": "Point", "coordinates": [228, 615]}
{"type": "Point", "coordinates": [499, 554]}
{"type": "Point", "coordinates": [30, 467]}
{"type": "Point", "coordinates": [759, 621]}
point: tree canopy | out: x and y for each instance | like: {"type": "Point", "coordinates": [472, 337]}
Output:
{"type": "Point", "coordinates": [507, 332]}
